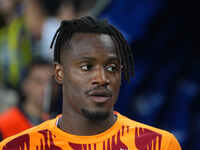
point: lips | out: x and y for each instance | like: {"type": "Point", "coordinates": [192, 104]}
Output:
{"type": "Point", "coordinates": [100, 96]}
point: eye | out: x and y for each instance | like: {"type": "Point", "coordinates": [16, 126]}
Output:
{"type": "Point", "coordinates": [86, 67]}
{"type": "Point", "coordinates": [112, 67]}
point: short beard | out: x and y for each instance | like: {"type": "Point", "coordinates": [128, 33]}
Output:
{"type": "Point", "coordinates": [95, 116]}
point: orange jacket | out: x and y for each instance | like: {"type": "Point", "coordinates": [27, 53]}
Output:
{"type": "Point", "coordinates": [125, 134]}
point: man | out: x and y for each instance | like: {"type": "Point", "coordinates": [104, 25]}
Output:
{"type": "Point", "coordinates": [31, 111]}
{"type": "Point", "coordinates": [91, 57]}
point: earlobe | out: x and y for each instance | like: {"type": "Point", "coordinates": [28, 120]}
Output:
{"type": "Point", "coordinates": [59, 73]}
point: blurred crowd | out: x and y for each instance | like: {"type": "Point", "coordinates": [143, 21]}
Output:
{"type": "Point", "coordinates": [28, 92]}
{"type": "Point", "coordinates": [163, 93]}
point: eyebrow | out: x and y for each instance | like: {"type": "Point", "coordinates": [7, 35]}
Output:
{"type": "Point", "coordinates": [114, 58]}
{"type": "Point", "coordinates": [110, 58]}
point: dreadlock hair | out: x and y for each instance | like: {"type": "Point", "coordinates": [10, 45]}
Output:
{"type": "Point", "coordinates": [88, 24]}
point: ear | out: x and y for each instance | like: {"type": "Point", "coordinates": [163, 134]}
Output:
{"type": "Point", "coordinates": [59, 73]}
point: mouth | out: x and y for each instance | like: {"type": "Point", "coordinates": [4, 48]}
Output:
{"type": "Point", "coordinates": [100, 96]}
{"type": "Point", "coordinates": [100, 99]}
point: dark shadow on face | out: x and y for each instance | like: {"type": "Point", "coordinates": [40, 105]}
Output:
{"type": "Point", "coordinates": [95, 115]}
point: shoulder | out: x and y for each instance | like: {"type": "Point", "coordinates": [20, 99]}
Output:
{"type": "Point", "coordinates": [145, 134]}
{"type": "Point", "coordinates": [138, 126]}
{"type": "Point", "coordinates": [27, 135]}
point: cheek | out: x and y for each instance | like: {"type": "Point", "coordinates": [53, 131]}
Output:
{"type": "Point", "coordinates": [74, 82]}
{"type": "Point", "coordinates": [116, 79]}
{"type": "Point", "coordinates": [116, 89]}
{"type": "Point", "coordinates": [73, 92]}
{"type": "Point", "coordinates": [116, 83]}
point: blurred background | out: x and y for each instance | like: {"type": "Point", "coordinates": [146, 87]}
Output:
{"type": "Point", "coordinates": [163, 35]}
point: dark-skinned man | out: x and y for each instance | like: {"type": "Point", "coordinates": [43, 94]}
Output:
{"type": "Point", "coordinates": [91, 59]}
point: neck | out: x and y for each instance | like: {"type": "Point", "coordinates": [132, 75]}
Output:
{"type": "Point", "coordinates": [79, 125]}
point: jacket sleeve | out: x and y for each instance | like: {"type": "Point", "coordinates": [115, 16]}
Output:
{"type": "Point", "coordinates": [173, 143]}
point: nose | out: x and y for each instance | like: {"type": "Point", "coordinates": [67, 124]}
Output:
{"type": "Point", "coordinates": [100, 77]}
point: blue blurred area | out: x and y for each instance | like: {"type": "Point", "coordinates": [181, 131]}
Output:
{"type": "Point", "coordinates": [165, 91]}
{"type": "Point", "coordinates": [132, 17]}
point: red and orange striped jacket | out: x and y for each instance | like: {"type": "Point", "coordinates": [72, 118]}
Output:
{"type": "Point", "coordinates": [125, 134]}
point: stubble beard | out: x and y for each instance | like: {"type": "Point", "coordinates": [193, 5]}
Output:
{"type": "Point", "coordinates": [95, 116]}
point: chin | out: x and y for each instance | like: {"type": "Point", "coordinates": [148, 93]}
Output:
{"type": "Point", "coordinates": [95, 115]}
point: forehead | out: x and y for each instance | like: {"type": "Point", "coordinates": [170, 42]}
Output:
{"type": "Point", "coordinates": [91, 42]}
{"type": "Point", "coordinates": [92, 37]}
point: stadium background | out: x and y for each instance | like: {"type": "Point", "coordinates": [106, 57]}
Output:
{"type": "Point", "coordinates": [163, 35]}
